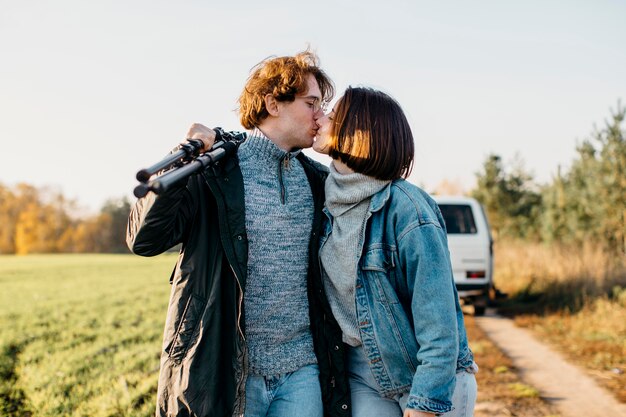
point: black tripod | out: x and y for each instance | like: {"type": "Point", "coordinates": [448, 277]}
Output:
{"type": "Point", "coordinates": [186, 161]}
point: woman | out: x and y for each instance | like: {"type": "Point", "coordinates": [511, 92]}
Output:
{"type": "Point", "coordinates": [387, 270]}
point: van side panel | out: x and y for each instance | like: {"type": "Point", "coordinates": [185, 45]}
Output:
{"type": "Point", "coordinates": [471, 247]}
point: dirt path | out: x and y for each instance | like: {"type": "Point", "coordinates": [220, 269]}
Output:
{"type": "Point", "coordinates": [568, 387]}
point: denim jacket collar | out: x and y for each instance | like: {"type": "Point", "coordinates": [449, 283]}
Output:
{"type": "Point", "coordinates": [380, 198]}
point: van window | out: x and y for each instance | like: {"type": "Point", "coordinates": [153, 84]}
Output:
{"type": "Point", "coordinates": [458, 218]}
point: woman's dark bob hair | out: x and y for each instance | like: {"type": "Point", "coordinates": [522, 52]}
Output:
{"type": "Point", "coordinates": [371, 135]}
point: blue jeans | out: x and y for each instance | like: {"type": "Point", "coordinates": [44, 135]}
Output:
{"type": "Point", "coordinates": [297, 393]}
{"type": "Point", "coordinates": [367, 401]}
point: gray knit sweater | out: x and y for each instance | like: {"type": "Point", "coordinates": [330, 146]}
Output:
{"type": "Point", "coordinates": [347, 199]}
{"type": "Point", "coordinates": [279, 217]}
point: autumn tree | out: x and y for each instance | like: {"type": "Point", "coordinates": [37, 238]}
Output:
{"type": "Point", "coordinates": [39, 220]}
{"type": "Point", "coordinates": [101, 233]}
{"type": "Point", "coordinates": [8, 217]}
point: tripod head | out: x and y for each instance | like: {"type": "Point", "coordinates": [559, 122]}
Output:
{"type": "Point", "coordinates": [186, 161]}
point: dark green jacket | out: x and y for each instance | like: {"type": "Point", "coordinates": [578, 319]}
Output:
{"type": "Point", "coordinates": [204, 358]}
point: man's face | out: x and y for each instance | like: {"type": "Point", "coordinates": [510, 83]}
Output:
{"type": "Point", "coordinates": [298, 118]}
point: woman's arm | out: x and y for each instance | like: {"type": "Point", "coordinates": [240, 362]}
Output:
{"type": "Point", "coordinates": [425, 261]}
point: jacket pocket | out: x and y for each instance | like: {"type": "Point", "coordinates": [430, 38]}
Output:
{"type": "Point", "coordinates": [392, 323]}
{"type": "Point", "coordinates": [379, 267]}
{"type": "Point", "coordinates": [188, 329]}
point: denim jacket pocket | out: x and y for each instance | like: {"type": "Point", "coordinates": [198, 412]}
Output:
{"type": "Point", "coordinates": [393, 327]}
{"type": "Point", "coordinates": [378, 266]}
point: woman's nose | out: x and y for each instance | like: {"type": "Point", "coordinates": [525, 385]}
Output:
{"type": "Point", "coordinates": [318, 114]}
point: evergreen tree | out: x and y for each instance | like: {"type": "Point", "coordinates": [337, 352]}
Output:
{"type": "Point", "coordinates": [510, 199]}
{"type": "Point", "coordinates": [612, 181]}
{"type": "Point", "coordinates": [588, 203]}
{"type": "Point", "coordinates": [117, 210]}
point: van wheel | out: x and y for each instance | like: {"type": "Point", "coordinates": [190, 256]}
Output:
{"type": "Point", "coordinates": [479, 310]}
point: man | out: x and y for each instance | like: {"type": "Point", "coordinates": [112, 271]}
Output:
{"type": "Point", "coordinates": [248, 328]}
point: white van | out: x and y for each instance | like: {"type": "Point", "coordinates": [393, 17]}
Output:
{"type": "Point", "coordinates": [471, 249]}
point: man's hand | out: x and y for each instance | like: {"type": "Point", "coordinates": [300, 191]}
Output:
{"type": "Point", "coordinates": [203, 133]}
{"type": "Point", "coordinates": [409, 412]}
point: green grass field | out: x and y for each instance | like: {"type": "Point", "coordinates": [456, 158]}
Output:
{"type": "Point", "coordinates": [80, 335]}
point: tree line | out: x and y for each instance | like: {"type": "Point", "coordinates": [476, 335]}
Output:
{"type": "Point", "coordinates": [584, 204]}
{"type": "Point", "coordinates": [40, 220]}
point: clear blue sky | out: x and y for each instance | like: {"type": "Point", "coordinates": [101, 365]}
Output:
{"type": "Point", "coordinates": [91, 91]}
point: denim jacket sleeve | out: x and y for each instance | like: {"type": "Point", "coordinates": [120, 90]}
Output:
{"type": "Point", "coordinates": [425, 261]}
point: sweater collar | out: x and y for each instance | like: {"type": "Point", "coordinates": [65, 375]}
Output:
{"type": "Point", "coordinates": [345, 191]}
{"type": "Point", "coordinates": [260, 146]}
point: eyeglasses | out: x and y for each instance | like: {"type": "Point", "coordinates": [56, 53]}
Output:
{"type": "Point", "coordinates": [315, 103]}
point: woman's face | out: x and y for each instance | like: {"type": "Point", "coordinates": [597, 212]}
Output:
{"type": "Point", "coordinates": [322, 140]}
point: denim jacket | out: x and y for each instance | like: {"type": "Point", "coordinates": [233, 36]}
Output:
{"type": "Point", "coordinates": [408, 311]}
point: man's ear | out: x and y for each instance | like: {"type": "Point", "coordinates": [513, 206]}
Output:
{"type": "Point", "coordinates": [271, 105]}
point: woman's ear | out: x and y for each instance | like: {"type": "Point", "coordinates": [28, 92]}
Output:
{"type": "Point", "coordinates": [271, 105]}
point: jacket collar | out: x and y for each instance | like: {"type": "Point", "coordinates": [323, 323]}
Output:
{"type": "Point", "coordinates": [377, 202]}
{"type": "Point", "coordinates": [380, 198]}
